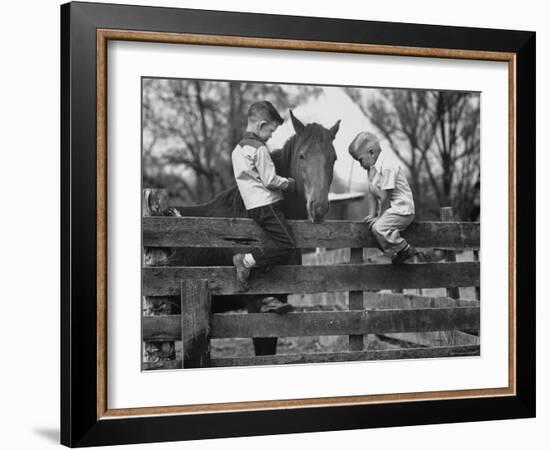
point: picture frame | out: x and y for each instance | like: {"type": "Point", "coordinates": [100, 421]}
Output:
{"type": "Point", "coordinates": [86, 28]}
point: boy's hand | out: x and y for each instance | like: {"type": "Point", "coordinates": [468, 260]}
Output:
{"type": "Point", "coordinates": [291, 185]}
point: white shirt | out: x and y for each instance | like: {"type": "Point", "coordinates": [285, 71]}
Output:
{"type": "Point", "coordinates": [390, 177]}
{"type": "Point", "coordinates": [254, 172]}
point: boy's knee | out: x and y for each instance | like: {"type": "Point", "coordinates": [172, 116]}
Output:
{"type": "Point", "coordinates": [378, 227]}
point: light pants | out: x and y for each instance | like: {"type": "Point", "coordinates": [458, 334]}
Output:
{"type": "Point", "coordinates": [386, 231]}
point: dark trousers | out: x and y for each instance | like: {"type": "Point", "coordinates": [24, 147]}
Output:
{"type": "Point", "coordinates": [271, 219]}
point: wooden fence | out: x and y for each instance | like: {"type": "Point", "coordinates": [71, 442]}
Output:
{"type": "Point", "coordinates": [178, 335]}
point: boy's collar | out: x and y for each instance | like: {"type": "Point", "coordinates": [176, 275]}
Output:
{"type": "Point", "coordinates": [379, 162]}
{"type": "Point", "coordinates": [252, 135]}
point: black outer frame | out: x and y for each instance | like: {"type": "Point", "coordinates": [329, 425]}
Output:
{"type": "Point", "coordinates": [79, 423]}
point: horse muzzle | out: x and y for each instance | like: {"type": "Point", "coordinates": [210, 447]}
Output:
{"type": "Point", "coordinates": [317, 211]}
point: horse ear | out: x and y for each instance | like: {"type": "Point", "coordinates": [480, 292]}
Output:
{"type": "Point", "coordinates": [335, 129]}
{"type": "Point", "coordinates": [298, 126]}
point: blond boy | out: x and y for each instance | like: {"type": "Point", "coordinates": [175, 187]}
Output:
{"type": "Point", "coordinates": [392, 210]}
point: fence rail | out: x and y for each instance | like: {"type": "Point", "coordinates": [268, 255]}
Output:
{"type": "Point", "coordinates": [237, 233]}
{"type": "Point", "coordinates": [369, 355]}
{"type": "Point", "coordinates": [312, 279]}
{"type": "Point", "coordinates": [322, 323]}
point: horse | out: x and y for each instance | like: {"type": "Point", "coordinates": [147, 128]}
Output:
{"type": "Point", "coordinates": [308, 156]}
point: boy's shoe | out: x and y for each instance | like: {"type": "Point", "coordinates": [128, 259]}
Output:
{"type": "Point", "coordinates": [407, 253]}
{"type": "Point", "coordinates": [274, 305]}
{"type": "Point", "coordinates": [243, 273]}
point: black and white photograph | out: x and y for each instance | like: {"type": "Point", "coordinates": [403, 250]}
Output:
{"type": "Point", "coordinates": [307, 224]}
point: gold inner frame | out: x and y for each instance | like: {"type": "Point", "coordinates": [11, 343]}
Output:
{"type": "Point", "coordinates": [103, 36]}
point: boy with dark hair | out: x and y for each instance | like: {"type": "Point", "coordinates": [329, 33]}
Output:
{"type": "Point", "coordinates": [261, 190]}
{"type": "Point", "coordinates": [391, 204]}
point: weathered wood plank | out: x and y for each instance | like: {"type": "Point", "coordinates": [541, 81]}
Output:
{"type": "Point", "coordinates": [375, 300]}
{"type": "Point", "coordinates": [322, 323]}
{"type": "Point", "coordinates": [371, 355]}
{"type": "Point", "coordinates": [312, 279]}
{"type": "Point", "coordinates": [431, 338]}
{"type": "Point", "coordinates": [233, 232]}
{"type": "Point", "coordinates": [446, 214]}
{"type": "Point", "coordinates": [161, 328]}
{"type": "Point", "coordinates": [355, 302]}
{"type": "Point", "coordinates": [343, 322]}
{"type": "Point", "coordinates": [195, 323]}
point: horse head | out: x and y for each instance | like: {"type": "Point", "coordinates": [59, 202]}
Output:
{"type": "Point", "coordinates": [312, 164]}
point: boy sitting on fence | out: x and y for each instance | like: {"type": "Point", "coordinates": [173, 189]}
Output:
{"type": "Point", "coordinates": [261, 190]}
{"type": "Point", "coordinates": [391, 204]}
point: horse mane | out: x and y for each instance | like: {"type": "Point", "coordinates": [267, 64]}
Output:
{"type": "Point", "coordinates": [283, 156]}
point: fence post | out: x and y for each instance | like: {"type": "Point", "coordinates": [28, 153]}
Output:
{"type": "Point", "coordinates": [446, 214]}
{"type": "Point", "coordinates": [356, 341]}
{"type": "Point", "coordinates": [195, 323]}
{"type": "Point", "coordinates": [155, 203]}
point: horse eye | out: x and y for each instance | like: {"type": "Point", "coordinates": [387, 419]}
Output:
{"type": "Point", "coordinates": [301, 156]}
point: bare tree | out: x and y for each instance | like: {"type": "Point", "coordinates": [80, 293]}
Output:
{"type": "Point", "coordinates": [456, 148]}
{"type": "Point", "coordinates": [468, 165]}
